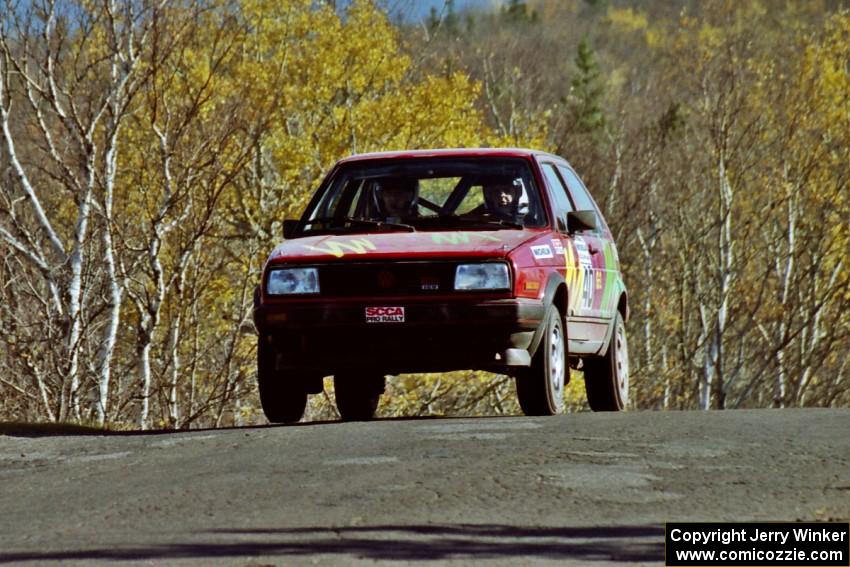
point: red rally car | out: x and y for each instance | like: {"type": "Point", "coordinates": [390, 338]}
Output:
{"type": "Point", "coordinates": [438, 260]}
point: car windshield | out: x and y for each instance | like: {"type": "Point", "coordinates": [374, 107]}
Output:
{"type": "Point", "coordinates": [485, 193]}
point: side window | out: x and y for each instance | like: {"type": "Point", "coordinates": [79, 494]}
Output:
{"type": "Point", "coordinates": [579, 193]}
{"type": "Point", "coordinates": [559, 192]}
{"type": "Point", "coordinates": [334, 197]}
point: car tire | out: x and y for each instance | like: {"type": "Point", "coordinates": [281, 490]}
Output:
{"type": "Point", "coordinates": [283, 400]}
{"type": "Point", "coordinates": [540, 388]}
{"type": "Point", "coordinates": [358, 395]}
{"type": "Point", "coordinates": [606, 378]}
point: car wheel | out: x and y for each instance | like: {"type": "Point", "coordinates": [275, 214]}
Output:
{"type": "Point", "coordinates": [540, 389]}
{"type": "Point", "coordinates": [283, 400]}
{"type": "Point", "coordinates": [606, 378]}
{"type": "Point", "coordinates": [357, 395]}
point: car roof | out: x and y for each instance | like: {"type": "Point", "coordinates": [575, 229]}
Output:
{"type": "Point", "coordinates": [448, 152]}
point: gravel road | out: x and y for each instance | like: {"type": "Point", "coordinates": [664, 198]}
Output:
{"type": "Point", "coordinates": [581, 489]}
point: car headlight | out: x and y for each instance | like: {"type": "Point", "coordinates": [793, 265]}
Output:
{"type": "Point", "coordinates": [292, 281]}
{"type": "Point", "coordinates": [482, 276]}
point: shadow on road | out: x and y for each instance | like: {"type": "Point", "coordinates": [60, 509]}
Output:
{"type": "Point", "coordinates": [396, 543]}
{"type": "Point", "coordinates": [20, 429]}
{"type": "Point", "coordinates": [34, 430]}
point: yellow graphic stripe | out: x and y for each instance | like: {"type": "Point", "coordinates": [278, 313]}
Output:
{"type": "Point", "coordinates": [460, 238]}
{"type": "Point", "coordinates": [574, 277]}
{"type": "Point", "coordinates": [339, 249]}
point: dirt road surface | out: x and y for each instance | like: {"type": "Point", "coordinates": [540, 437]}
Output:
{"type": "Point", "coordinates": [581, 489]}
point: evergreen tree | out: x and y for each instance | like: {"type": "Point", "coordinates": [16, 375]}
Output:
{"type": "Point", "coordinates": [587, 91]}
{"type": "Point", "coordinates": [517, 12]}
{"type": "Point", "coordinates": [433, 21]}
{"type": "Point", "coordinates": [450, 21]}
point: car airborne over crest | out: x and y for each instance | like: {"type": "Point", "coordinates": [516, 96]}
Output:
{"type": "Point", "coordinates": [438, 260]}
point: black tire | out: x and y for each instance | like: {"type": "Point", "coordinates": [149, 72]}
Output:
{"type": "Point", "coordinates": [606, 378]}
{"type": "Point", "coordinates": [358, 395]}
{"type": "Point", "coordinates": [283, 400]}
{"type": "Point", "coordinates": [540, 388]}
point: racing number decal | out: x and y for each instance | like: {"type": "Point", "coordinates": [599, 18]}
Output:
{"type": "Point", "coordinates": [585, 266]}
{"type": "Point", "coordinates": [587, 291]}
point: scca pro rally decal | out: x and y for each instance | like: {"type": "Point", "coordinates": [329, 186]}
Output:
{"type": "Point", "coordinates": [385, 314]}
{"type": "Point", "coordinates": [541, 252]}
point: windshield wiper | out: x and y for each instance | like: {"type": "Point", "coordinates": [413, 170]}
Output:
{"type": "Point", "coordinates": [364, 222]}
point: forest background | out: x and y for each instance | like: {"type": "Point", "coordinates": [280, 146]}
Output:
{"type": "Point", "coordinates": [150, 150]}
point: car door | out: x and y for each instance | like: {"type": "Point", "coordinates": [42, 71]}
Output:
{"type": "Point", "coordinates": [600, 247]}
{"type": "Point", "coordinates": [577, 258]}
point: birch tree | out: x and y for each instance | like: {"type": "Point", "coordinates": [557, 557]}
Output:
{"type": "Point", "coordinates": [69, 74]}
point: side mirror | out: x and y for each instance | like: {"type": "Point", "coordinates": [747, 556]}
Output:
{"type": "Point", "coordinates": [578, 221]}
{"type": "Point", "coordinates": [289, 227]}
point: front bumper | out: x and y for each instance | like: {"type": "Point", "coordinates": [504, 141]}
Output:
{"type": "Point", "coordinates": [328, 337]}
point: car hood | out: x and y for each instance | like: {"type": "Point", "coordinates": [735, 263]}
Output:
{"type": "Point", "coordinates": [396, 245]}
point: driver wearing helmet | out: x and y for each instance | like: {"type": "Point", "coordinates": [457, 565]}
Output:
{"type": "Point", "coordinates": [503, 200]}
{"type": "Point", "coordinates": [397, 198]}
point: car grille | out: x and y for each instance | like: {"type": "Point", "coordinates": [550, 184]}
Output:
{"type": "Point", "coordinates": [354, 279]}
